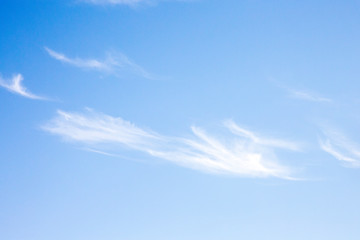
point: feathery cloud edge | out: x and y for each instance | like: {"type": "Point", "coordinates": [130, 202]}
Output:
{"type": "Point", "coordinates": [340, 147]}
{"type": "Point", "coordinates": [15, 86]}
{"type": "Point", "coordinates": [246, 155]}
{"type": "Point", "coordinates": [114, 63]}
{"type": "Point", "coordinates": [307, 96]}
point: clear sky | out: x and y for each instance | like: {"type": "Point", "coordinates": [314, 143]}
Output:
{"type": "Point", "coordinates": [172, 120]}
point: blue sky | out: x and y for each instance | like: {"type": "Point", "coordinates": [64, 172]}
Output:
{"type": "Point", "coordinates": [201, 119]}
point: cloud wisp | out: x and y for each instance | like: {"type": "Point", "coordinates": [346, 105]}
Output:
{"type": "Point", "coordinates": [114, 63]}
{"type": "Point", "coordinates": [307, 96]}
{"type": "Point", "coordinates": [341, 147]}
{"type": "Point", "coordinates": [239, 155]}
{"type": "Point", "coordinates": [14, 85]}
{"type": "Point", "coordinates": [271, 142]}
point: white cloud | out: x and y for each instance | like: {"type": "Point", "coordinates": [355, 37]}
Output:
{"type": "Point", "coordinates": [78, 62]}
{"type": "Point", "coordinates": [14, 86]}
{"type": "Point", "coordinates": [271, 142]}
{"type": "Point", "coordinates": [340, 147]}
{"type": "Point", "coordinates": [305, 95]}
{"type": "Point", "coordinates": [235, 155]}
{"type": "Point", "coordinates": [308, 96]}
{"type": "Point", "coordinates": [114, 63]}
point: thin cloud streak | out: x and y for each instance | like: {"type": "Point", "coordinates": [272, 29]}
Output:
{"type": "Point", "coordinates": [14, 85]}
{"type": "Point", "coordinates": [307, 96]}
{"type": "Point", "coordinates": [78, 62]}
{"type": "Point", "coordinates": [114, 63]}
{"type": "Point", "coordinates": [302, 94]}
{"type": "Point", "coordinates": [340, 147]}
{"type": "Point", "coordinates": [233, 155]}
{"type": "Point", "coordinates": [271, 142]}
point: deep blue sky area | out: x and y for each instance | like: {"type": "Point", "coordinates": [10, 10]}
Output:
{"type": "Point", "coordinates": [170, 119]}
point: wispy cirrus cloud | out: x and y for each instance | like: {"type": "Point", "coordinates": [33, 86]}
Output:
{"type": "Point", "coordinates": [114, 63]}
{"type": "Point", "coordinates": [341, 147]}
{"type": "Point", "coordinates": [14, 85]}
{"type": "Point", "coordinates": [271, 142]}
{"type": "Point", "coordinates": [243, 155]}
{"type": "Point", "coordinates": [307, 96]}
{"type": "Point", "coordinates": [301, 94]}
